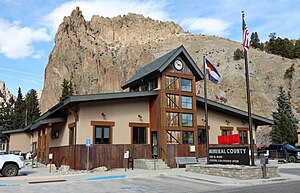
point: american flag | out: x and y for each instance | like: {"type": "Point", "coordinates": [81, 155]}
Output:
{"type": "Point", "coordinates": [245, 35]}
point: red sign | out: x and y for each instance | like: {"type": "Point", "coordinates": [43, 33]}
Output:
{"type": "Point", "coordinates": [229, 139]}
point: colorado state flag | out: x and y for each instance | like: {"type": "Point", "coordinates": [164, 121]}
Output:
{"type": "Point", "coordinates": [213, 74]}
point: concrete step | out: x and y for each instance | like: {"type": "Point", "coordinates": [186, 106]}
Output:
{"type": "Point", "coordinates": [149, 164]}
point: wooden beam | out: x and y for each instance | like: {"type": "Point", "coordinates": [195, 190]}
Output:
{"type": "Point", "coordinates": [73, 112]}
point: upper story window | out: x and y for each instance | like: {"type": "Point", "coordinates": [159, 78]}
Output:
{"type": "Point", "coordinates": [186, 85]}
{"type": "Point", "coordinates": [144, 87]}
{"type": "Point", "coordinates": [187, 120]}
{"type": "Point", "coordinates": [134, 89]}
{"type": "Point", "coordinates": [186, 102]}
{"type": "Point", "coordinates": [153, 84]}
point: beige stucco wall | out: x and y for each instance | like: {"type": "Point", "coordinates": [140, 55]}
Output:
{"type": "Point", "coordinates": [216, 120]}
{"type": "Point", "coordinates": [20, 141]}
{"type": "Point", "coordinates": [122, 112]}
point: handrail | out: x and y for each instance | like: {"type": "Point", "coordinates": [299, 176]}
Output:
{"type": "Point", "coordinates": [154, 157]}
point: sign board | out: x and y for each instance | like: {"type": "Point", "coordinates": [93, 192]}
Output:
{"type": "Point", "coordinates": [50, 155]}
{"type": "Point", "coordinates": [126, 154]}
{"type": "Point", "coordinates": [229, 155]}
{"type": "Point", "coordinates": [88, 142]}
{"type": "Point", "coordinates": [229, 139]}
{"type": "Point", "coordinates": [192, 148]}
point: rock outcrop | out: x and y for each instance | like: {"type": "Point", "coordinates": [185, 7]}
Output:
{"type": "Point", "coordinates": [102, 54]}
{"type": "Point", "coordinates": [5, 96]}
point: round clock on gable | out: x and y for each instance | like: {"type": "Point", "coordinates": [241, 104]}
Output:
{"type": "Point", "coordinates": [178, 64]}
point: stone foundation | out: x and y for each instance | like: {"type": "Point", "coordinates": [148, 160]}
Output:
{"type": "Point", "coordinates": [234, 171]}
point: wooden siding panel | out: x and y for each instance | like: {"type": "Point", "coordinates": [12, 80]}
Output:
{"type": "Point", "coordinates": [111, 156]}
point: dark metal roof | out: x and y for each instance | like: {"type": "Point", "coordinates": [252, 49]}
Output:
{"type": "Point", "coordinates": [157, 66]}
{"type": "Point", "coordinates": [13, 131]}
{"type": "Point", "coordinates": [108, 96]}
{"type": "Point", "coordinates": [258, 120]}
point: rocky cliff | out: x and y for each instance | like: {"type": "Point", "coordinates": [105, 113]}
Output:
{"type": "Point", "coordinates": [100, 55]}
{"type": "Point", "coordinates": [5, 95]}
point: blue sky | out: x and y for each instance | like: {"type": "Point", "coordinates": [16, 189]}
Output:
{"type": "Point", "coordinates": [27, 27]}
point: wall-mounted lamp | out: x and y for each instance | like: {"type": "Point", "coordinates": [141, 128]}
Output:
{"type": "Point", "coordinates": [227, 122]}
{"type": "Point", "coordinates": [103, 114]}
{"type": "Point", "coordinates": [140, 116]}
{"type": "Point", "coordinates": [203, 120]}
{"type": "Point", "coordinates": [243, 122]}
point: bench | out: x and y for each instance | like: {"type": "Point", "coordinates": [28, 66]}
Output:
{"type": "Point", "coordinates": [185, 160]}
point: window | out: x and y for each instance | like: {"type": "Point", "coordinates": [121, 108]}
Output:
{"type": "Point", "coordinates": [134, 89]}
{"type": "Point", "coordinates": [173, 137]}
{"type": "Point", "coordinates": [243, 136]}
{"type": "Point", "coordinates": [226, 132]}
{"type": "Point", "coordinates": [201, 136]}
{"type": "Point", "coordinates": [172, 101]}
{"type": "Point", "coordinates": [187, 137]}
{"type": "Point", "coordinates": [172, 83]}
{"type": "Point", "coordinates": [153, 84]}
{"type": "Point", "coordinates": [102, 135]}
{"type": "Point", "coordinates": [144, 87]}
{"type": "Point", "coordinates": [102, 132]}
{"type": "Point", "coordinates": [139, 135]}
{"type": "Point", "coordinates": [187, 120]}
{"type": "Point", "coordinates": [186, 102]}
{"type": "Point", "coordinates": [172, 119]}
{"type": "Point", "coordinates": [186, 85]}
{"type": "Point", "coordinates": [71, 136]}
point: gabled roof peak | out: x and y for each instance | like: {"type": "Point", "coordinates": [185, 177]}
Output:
{"type": "Point", "coordinates": [154, 68]}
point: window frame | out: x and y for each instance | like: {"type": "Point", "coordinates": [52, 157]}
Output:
{"type": "Point", "coordinates": [109, 124]}
{"type": "Point", "coordinates": [226, 129]}
{"type": "Point", "coordinates": [192, 120]}
{"type": "Point", "coordinates": [102, 133]}
{"type": "Point", "coordinates": [184, 102]}
{"type": "Point", "coordinates": [140, 125]}
{"type": "Point", "coordinates": [72, 127]}
{"type": "Point", "coordinates": [242, 129]}
{"type": "Point", "coordinates": [190, 85]}
{"type": "Point", "coordinates": [182, 133]}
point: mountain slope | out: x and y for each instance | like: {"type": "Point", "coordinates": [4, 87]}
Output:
{"type": "Point", "coordinates": [102, 54]}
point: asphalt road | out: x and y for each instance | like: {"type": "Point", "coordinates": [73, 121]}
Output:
{"type": "Point", "coordinates": [293, 171]}
{"type": "Point", "coordinates": [282, 187]}
{"type": "Point", "coordinates": [130, 185]}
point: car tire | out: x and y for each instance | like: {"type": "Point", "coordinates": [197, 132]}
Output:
{"type": "Point", "coordinates": [293, 159]}
{"type": "Point", "coordinates": [10, 170]}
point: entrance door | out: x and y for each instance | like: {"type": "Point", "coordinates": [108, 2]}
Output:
{"type": "Point", "coordinates": [154, 144]}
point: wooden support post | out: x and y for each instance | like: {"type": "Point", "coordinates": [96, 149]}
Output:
{"type": "Point", "coordinates": [47, 143]}
{"type": "Point", "coordinates": [39, 146]}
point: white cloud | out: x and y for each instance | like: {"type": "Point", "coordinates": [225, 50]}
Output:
{"type": "Point", "coordinates": [154, 9]}
{"type": "Point", "coordinates": [15, 40]}
{"type": "Point", "coordinates": [208, 26]}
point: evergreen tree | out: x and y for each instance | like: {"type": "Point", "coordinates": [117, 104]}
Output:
{"type": "Point", "coordinates": [296, 49]}
{"type": "Point", "coordinates": [32, 107]}
{"type": "Point", "coordinates": [285, 123]}
{"type": "Point", "coordinates": [255, 42]}
{"type": "Point", "coordinates": [19, 111]}
{"type": "Point", "coordinates": [238, 54]}
{"type": "Point", "coordinates": [67, 90]}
